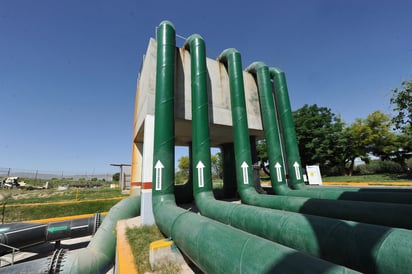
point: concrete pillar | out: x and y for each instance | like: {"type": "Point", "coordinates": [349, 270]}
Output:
{"type": "Point", "coordinates": [146, 211]}
{"type": "Point", "coordinates": [229, 171]}
{"type": "Point", "coordinates": [136, 169]}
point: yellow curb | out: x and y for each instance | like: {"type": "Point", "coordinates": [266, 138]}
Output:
{"type": "Point", "coordinates": [66, 202]}
{"type": "Point", "coordinates": [161, 243]}
{"type": "Point", "coordinates": [125, 259]}
{"type": "Point", "coordinates": [66, 218]}
{"type": "Point", "coordinates": [369, 183]}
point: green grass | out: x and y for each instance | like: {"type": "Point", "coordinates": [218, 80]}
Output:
{"type": "Point", "coordinates": [369, 178]}
{"type": "Point", "coordinates": [82, 205]}
{"type": "Point", "coordinates": [21, 196]}
{"type": "Point", "coordinates": [140, 239]}
{"type": "Point", "coordinates": [26, 213]}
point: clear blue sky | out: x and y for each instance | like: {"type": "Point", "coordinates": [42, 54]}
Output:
{"type": "Point", "coordinates": [68, 68]}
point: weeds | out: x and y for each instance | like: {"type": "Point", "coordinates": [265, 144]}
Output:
{"type": "Point", "coordinates": [140, 239]}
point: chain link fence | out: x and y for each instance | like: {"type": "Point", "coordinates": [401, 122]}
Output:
{"type": "Point", "coordinates": [48, 175]}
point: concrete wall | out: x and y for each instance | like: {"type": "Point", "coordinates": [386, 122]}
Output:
{"type": "Point", "coordinates": [219, 99]}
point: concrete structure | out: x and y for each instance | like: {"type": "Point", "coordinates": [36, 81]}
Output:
{"type": "Point", "coordinates": [124, 178]}
{"type": "Point", "coordinates": [219, 112]}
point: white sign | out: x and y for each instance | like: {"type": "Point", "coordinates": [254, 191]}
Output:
{"type": "Point", "coordinates": [314, 176]}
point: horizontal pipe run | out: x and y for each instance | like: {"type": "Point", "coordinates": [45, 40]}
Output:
{"type": "Point", "coordinates": [22, 235]}
{"type": "Point", "coordinates": [97, 257]}
{"type": "Point", "coordinates": [360, 245]}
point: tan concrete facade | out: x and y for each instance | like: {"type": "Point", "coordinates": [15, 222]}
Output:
{"type": "Point", "coordinates": [219, 99]}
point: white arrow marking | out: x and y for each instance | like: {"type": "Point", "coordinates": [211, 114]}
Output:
{"type": "Point", "coordinates": [200, 166]}
{"type": "Point", "coordinates": [244, 167]}
{"type": "Point", "coordinates": [297, 171]}
{"type": "Point", "coordinates": [159, 166]}
{"type": "Point", "coordinates": [278, 172]}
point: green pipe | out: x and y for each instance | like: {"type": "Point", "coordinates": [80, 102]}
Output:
{"type": "Point", "coordinates": [200, 153]}
{"type": "Point", "coordinates": [293, 162]}
{"type": "Point", "coordinates": [243, 160]}
{"type": "Point", "coordinates": [390, 214]}
{"type": "Point", "coordinates": [292, 158]}
{"type": "Point", "coordinates": [97, 257]}
{"type": "Point", "coordinates": [206, 242]}
{"type": "Point", "coordinates": [311, 234]}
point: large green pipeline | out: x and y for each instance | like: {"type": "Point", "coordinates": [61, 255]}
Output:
{"type": "Point", "coordinates": [389, 214]}
{"type": "Point", "coordinates": [290, 157]}
{"type": "Point", "coordinates": [97, 257]}
{"type": "Point", "coordinates": [281, 114]}
{"type": "Point", "coordinates": [315, 235]}
{"type": "Point", "coordinates": [206, 242]}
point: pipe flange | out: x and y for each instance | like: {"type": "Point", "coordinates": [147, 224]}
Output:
{"type": "Point", "coordinates": [55, 261]}
{"type": "Point", "coordinates": [97, 222]}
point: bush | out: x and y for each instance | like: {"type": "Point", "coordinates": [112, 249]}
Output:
{"type": "Point", "coordinates": [409, 164]}
{"type": "Point", "coordinates": [379, 167]}
{"type": "Point", "coordinates": [181, 177]}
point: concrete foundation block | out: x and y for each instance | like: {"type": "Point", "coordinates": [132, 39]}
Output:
{"type": "Point", "coordinates": [164, 252]}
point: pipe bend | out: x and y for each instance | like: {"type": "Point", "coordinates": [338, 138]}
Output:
{"type": "Point", "coordinates": [193, 41]}
{"type": "Point", "coordinates": [255, 66]}
{"type": "Point", "coordinates": [224, 56]}
{"type": "Point", "coordinates": [166, 23]}
{"type": "Point", "coordinates": [275, 71]}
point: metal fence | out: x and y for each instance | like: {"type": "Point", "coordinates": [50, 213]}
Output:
{"type": "Point", "coordinates": [48, 175]}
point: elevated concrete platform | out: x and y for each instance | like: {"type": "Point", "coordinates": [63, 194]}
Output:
{"type": "Point", "coordinates": [219, 99]}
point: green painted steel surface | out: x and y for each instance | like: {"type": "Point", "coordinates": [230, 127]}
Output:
{"type": "Point", "coordinates": [293, 163]}
{"type": "Point", "coordinates": [311, 234]}
{"type": "Point", "coordinates": [243, 161]}
{"type": "Point", "coordinates": [291, 157]}
{"type": "Point", "coordinates": [99, 255]}
{"type": "Point", "coordinates": [200, 155]}
{"type": "Point", "coordinates": [390, 214]}
{"type": "Point", "coordinates": [206, 242]}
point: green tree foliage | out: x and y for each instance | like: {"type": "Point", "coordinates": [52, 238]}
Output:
{"type": "Point", "coordinates": [325, 140]}
{"type": "Point", "coordinates": [376, 135]}
{"type": "Point", "coordinates": [182, 175]}
{"type": "Point", "coordinates": [184, 165]}
{"type": "Point", "coordinates": [116, 177]}
{"type": "Point", "coordinates": [217, 165]}
{"type": "Point", "coordinates": [319, 134]}
{"type": "Point", "coordinates": [401, 101]}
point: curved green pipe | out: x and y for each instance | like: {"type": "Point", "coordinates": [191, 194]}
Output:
{"type": "Point", "coordinates": [206, 242]}
{"type": "Point", "coordinates": [293, 162]}
{"type": "Point", "coordinates": [97, 257]}
{"type": "Point", "coordinates": [200, 153]}
{"type": "Point", "coordinates": [283, 111]}
{"type": "Point", "coordinates": [291, 158]}
{"type": "Point", "coordinates": [243, 161]}
{"type": "Point", "coordinates": [311, 234]}
{"type": "Point", "coordinates": [390, 214]}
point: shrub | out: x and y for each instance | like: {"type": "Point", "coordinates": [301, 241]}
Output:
{"type": "Point", "coordinates": [379, 167]}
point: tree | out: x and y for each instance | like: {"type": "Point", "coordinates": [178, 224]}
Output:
{"type": "Point", "coordinates": [116, 177]}
{"type": "Point", "coordinates": [379, 139]}
{"type": "Point", "coordinates": [319, 133]}
{"type": "Point", "coordinates": [402, 104]}
{"type": "Point", "coordinates": [184, 165]}
{"type": "Point", "coordinates": [217, 165]}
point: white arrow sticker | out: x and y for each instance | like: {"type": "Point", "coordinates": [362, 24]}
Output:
{"type": "Point", "coordinates": [297, 171]}
{"type": "Point", "coordinates": [278, 172]}
{"type": "Point", "coordinates": [244, 167]}
{"type": "Point", "coordinates": [159, 166]}
{"type": "Point", "coordinates": [200, 178]}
